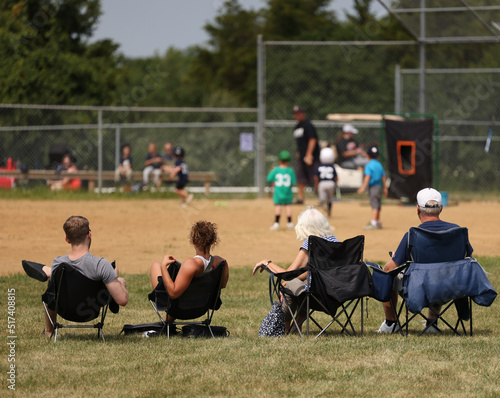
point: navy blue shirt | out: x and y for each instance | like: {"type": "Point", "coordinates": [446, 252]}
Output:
{"type": "Point", "coordinates": [402, 256]}
{"type": "Point", "coordinates": [122, 160]}
{"type": "Point", "coordinates": [182, 174]}
{"type": "Point", "coordinates": [326, 172]}
{"type": "Point", "coordinates": [156, 165]}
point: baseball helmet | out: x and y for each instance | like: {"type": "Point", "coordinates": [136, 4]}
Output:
{"type": "Point", "coordinates": [178, 151]}
{"type": "Point", "coordinates": [284, 156]}
{"type": "Point", "coordinates": [327, 156]}
{"type": "Point", "coordinates": [373, 151]}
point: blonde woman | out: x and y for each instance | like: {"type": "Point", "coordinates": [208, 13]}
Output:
{"type": "Point", "coordinates": [311, 222]}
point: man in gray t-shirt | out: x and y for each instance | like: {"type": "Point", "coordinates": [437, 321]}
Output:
{"type": "Point", "coordinates": [95, 268]}
{"type": "Point", "coordinates": [78, 235]}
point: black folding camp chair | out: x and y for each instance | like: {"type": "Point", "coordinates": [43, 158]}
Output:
{"type": "Point", "coordinates": [76, 298]}
{"type": "Point", "coordinates": [440, 275]}
{"type": "Point", "coordinates": [200, 300]}
{"type": "Point", "coordinates": [338, 279]}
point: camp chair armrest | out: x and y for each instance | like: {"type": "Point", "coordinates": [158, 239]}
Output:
{"type": "Point", "coordinates": [374, 266]}
{"type": "Point", "coordinates": [289, 275]}
{"type": "Point", "coordinates": [377, 268]}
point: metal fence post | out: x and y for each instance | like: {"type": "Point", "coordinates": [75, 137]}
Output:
{"type": "Point", "coordinates": [397, 89]}
{"type": "Point", "coordinates": [422, 57]}
{"type": "Point", "coordinates": [117, 146]}
{"type": "Point", "coordinates": [99, 150]}
{"type": "Point", "coordinates": [261, 116]}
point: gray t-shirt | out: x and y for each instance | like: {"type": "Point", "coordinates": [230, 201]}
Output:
{"type": "Point", "coordinates": [95, 268]}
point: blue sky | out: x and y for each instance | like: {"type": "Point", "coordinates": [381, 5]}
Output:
{"type": "Point", "coordinates": [148, 26]}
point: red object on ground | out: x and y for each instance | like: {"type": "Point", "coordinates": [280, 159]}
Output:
{"type": "Point", "coordinates": [8, 182]}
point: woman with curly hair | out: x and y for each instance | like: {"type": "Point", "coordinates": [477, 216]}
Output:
{"type": "Point", "coordinates": [203, 237]}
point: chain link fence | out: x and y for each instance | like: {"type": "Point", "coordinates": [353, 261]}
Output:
{"type": "Point", "coordinates": [323, 78]}
{"type": "Point", "coordinates": [211, 137]}
{"type": "Point", "coordinates": [366, 77]}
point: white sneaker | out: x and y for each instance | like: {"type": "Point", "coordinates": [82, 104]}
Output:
{"type": "Point", "coordinates": [274, 227]}
{"type": "Point", "coordinates": [290, 225]}
{"type": "Point", "coordinates": [432, 329]}
{"type": "Point", "coordinates": [370, 226]}
{"type": "Point", "coordinates": [150, 333]}
{"type": "Point", "coordinates": [394, 328]}
{"type": "Point", "coordinates": [189, 199]}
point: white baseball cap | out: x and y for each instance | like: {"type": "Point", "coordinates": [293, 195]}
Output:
{"type": "Point", "coordinates": [349, 128]}
{"type": "Point", "coordinates": [427, 194]}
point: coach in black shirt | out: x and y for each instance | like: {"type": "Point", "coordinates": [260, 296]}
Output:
{"type": "Point", "coordinates": [307, 151]}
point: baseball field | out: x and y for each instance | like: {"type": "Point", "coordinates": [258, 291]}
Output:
{"type": "Point", "coordinates": [137, 232]}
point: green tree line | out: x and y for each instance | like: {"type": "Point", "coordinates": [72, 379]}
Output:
{"type": "Point", "coordinates": [47, 56]}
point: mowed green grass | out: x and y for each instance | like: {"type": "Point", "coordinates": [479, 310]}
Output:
{"type": "Point", "coordinates": [244, 364]}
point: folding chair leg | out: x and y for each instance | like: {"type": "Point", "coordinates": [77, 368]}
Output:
{"type": "Point", "coordinates": [461, 322]}
{"type": "Point", "coordinates": [398, 313]}
{"type": "Point", "coordinates": [212, 333]}
{"type": "Point", "coordinates": [53, 323]}
{"type": "Point", "coordinates": [294, 320]}
{"type": "Point", "coordinates": [409, 318]}
{"type": "Point", "coordinates": [156, 310]}
{"type": "Point", "coordinates": [324, 329]}
{"type": "Point", "coordinates": [349, 317]}
{"type": "Point", "coordinates": [307, 319]}
{"type": "Point", "coordinates": [439, 315]}
{"type": "Point", "coordinates": [470, 319]}
{"type": "Point", "coordinates": [362, 314]}
{"type": "Point", "coordinates": [314, 320]}
{"type": "Point", "coordinates": [347, 322]}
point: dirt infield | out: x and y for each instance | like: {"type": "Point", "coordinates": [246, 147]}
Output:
{"type": "Point", "coordinates": [138, 232]}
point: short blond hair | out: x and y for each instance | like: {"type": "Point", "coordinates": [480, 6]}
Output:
{"type": "Point", "coordinates": [312, 222]}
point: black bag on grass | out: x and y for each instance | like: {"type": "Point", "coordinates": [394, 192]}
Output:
{"type": "Point", "coordinates": [143, 327]}
{"type": "Point", "coordinates": [194, 331]}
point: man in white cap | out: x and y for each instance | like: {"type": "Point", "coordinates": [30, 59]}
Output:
{"type": "Point", "coordinates": [351, 155]}
{"type": "Point", "coordinates": [429, 207]}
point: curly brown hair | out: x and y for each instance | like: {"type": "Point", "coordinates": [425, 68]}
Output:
{"type": "Point", "coordinates": [204, 235]}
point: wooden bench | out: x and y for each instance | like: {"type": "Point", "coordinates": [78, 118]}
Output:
{"type": "Point", "coordinates": [107, 175]}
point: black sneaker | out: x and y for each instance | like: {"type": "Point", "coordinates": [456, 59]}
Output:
{"type": "Point", "coordinates": [298, 202]}
{"type": "Point", "coordinates": [34, 270]}
{"type": "Point", "coordinates": [113, 306]}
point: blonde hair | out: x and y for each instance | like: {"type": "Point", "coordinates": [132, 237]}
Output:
{"type": "Point", "coordinates": [312, 222]}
